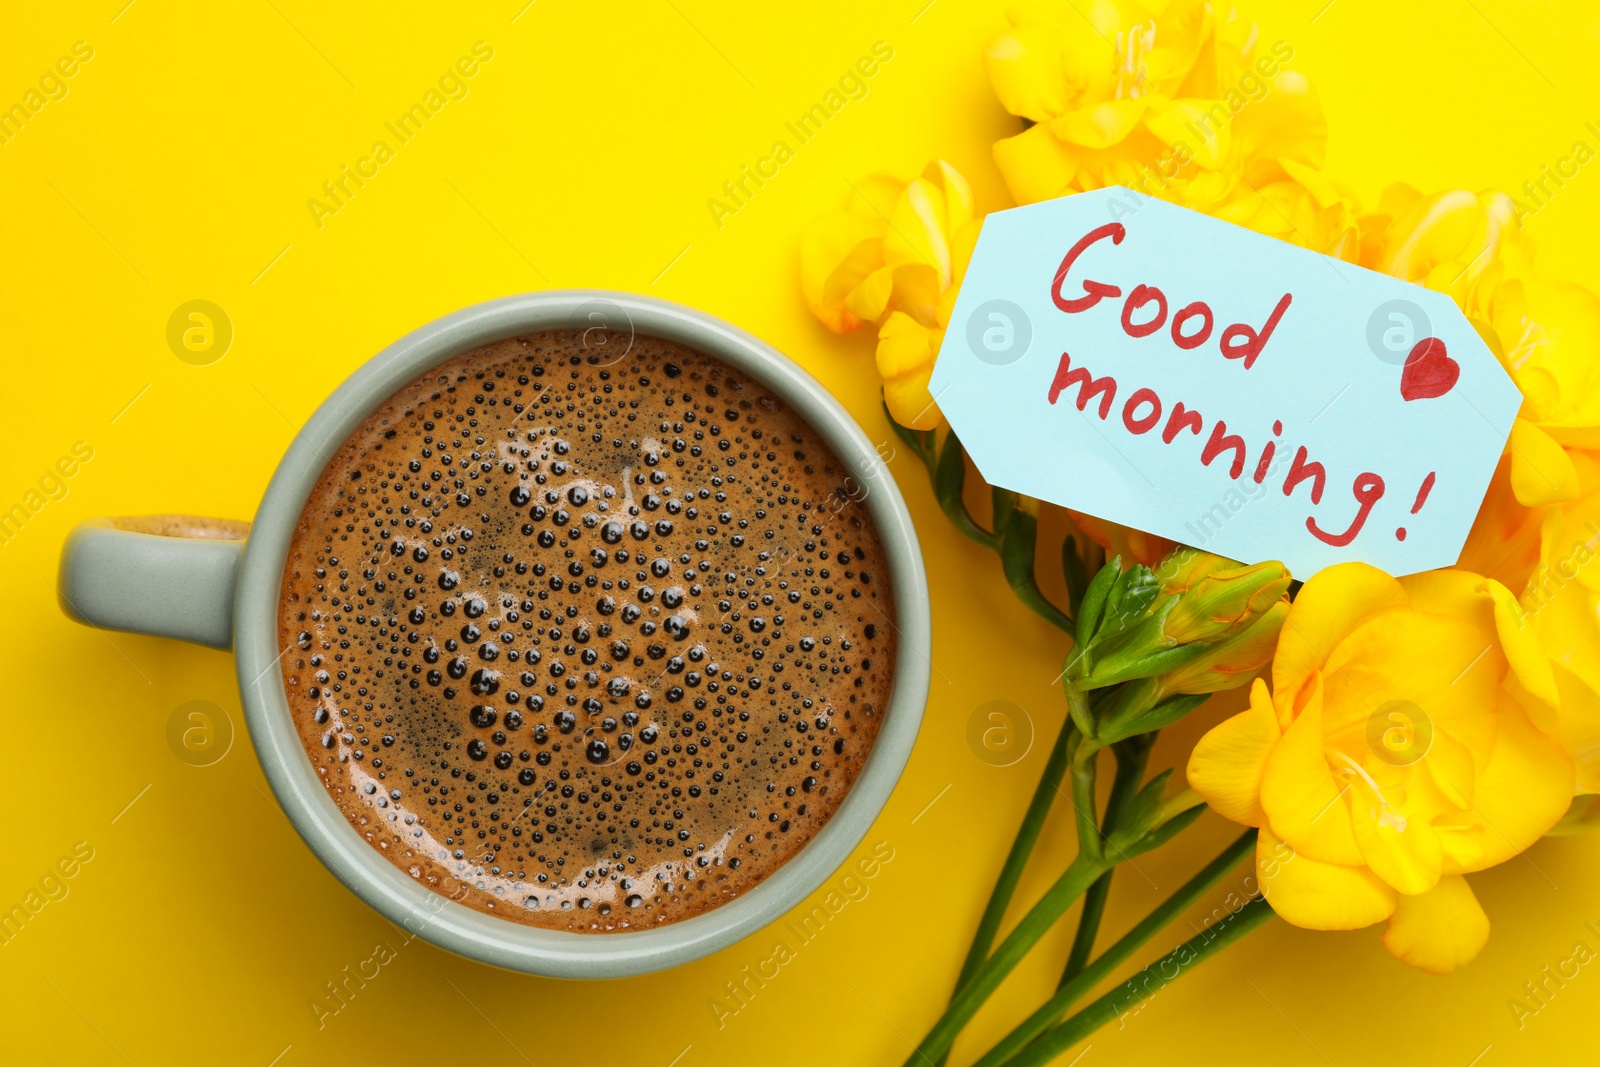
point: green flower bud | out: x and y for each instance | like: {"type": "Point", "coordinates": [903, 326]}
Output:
{"type": "Point", "coordinates": [1195, 606]}
{"type": "Point", "coordinates": [1181, 568]}
{"type": "Point", "coordinates": [1232, 661]}
{"type": "Point", "coordinates": [1224, 600]}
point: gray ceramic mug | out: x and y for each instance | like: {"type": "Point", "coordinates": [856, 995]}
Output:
{"type": "Point", "coordinates": [216, 583]}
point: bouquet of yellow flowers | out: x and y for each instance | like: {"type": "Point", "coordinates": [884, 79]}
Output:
{"type": "Point", "coordinates": [1401, 734]}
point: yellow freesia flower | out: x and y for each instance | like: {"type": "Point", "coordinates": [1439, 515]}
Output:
{"type": "Point", "coordinates": [1405, 742]}
{"type": "Point", "coordinates": [1174, 100]}
{"type": "Point", "coordinates": [1457, 242]}
{"type": "Point", "coordinates": [1504, 541]}
{"type": "Point", "coordinates": [1538, 528]}
{"type": "Point", "coordinates": [895, 255]}
{"type": "Point", "coordinates": [841, 250]}
{"type": "Point", "coordinates": [1546, 334]}
{"type": "Point", "coordinates": [1548, 554]}
{"type": "Point", "coordinates": [1564, 632]}
{"type": "Point", "coordinates": [1297, 204]}
{"type": "Point", "coordinates": [905, 356]}
{"type": "Point", "coordinates": [1560, 605]}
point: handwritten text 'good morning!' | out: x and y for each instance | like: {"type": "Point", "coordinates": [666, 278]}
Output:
{"type": "Point", "coordinates": [1145, 312]}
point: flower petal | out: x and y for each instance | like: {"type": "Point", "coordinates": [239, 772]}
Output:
{"type": "Point", "coordinates": [1036, 165]}
{"type": "Point", "coordinates": [1580, 727]}
{"type": "Point", "coordinates": [962, 244]}
{"type": "Point", "coordinates": [905, 361]}
{"type": "Point", "coordinates": [1449, 228]}
{"type": "Point", "coordinates": [902, 346]}
{"type": "Point", "coordinates": [1286, 124]}
{"type": "Point", "coordinates": [1451, 769]}
{"type": "Point", "coordinates": [1178, 120]}
{"type": "Point", "coordinates": [1234, 662]}
{"type": "Point", "coordinates": [1447, 666]}
{"type": "Point", "coordinates": [1451, 591]}
{"type": "Point", "coordinates": [1541, 470]}
{"type": "Point", "coordinates": [911, 402]}
{"type": "Point", "coordinates": [1567, 617]}
{"type": "Point", "coordinates": [1182, 45]}
{"type": "Point", "coordinates": [1124, 541]}
{"type": "Point", "coordinates": [1319, 896]}
{"type": "Point", "coordinates": [1440, 930]}
{"type": "Point", "coordinates": [1328, 607]}
{"type": "Point", "coordinates": [1026, 71]}
{"type": "Point", "coordinates": [917, 288]}
{"type": "Point", "coordinates": [1504, 542]}
{"type": "Point", "coordinates": [1400, 847]}
{"type": "Point", "coordinates": [1529, 663]}
{"type": "Point", "coordinates": [1523, 789]}
{"type": "Point", "coordinates": [1552, 330]}
{"type": "Point", "coordinates": [870, 297]}
{"type": "Point", "coordinates": [958, 202]}
{"type": "Point", "coordinates": [917, 232]}
{"type": "Point", "coordinates": [837, 251]}
{"type": "Point", "coordinates": [1228, 762]}
{"type": "Point", "coordinates": [1102, 124]}
{"type": "Point", "coordinates": [1301, 798]}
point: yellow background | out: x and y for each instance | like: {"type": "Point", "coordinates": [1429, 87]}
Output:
{"type": "Point", "coordinates": [178, 167]}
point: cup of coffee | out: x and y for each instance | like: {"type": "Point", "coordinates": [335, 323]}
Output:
{"type": "Point", "coordinates": [580, 633]}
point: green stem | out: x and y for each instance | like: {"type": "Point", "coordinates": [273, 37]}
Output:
{"type": "Point", "coordinates": [1148, 982]}
{"type": "Point", "coordinates": [1074, 572]}
{"type": "Point", "coordinates": [1085, 768]}
{"type": "Point", "coordinates": [970, 997]}
{"type": "Point", "coordinates": [1094, 557]}
{"type": "Point", "coordinates": [1002, 502]}
{"type": "Point", "coordinates": [1005, 885]}
{"type": "Point", "coordinates": [1118, 953]}
{"type": "Point", "coordinates": [1094, 910]}
{"type": "Point", "coordinates": [1016, 533]}
{"type": "Point", "coordinates": [1019, 538]}
{"type": "Point", "coordinates": [1044, 794]}
{"type": "Point", "coordinates": [919, 441]}
{"type": "Point", "coordinates": [1132, 757]}
{"type": "Point", "coordinates": [949, 482]}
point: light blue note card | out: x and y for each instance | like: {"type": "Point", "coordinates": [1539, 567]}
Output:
{"type": "Point", "coordinates": [1157, 367]}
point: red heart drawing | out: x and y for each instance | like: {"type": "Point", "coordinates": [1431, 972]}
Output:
{"type": "Point", "coordinates": [1429, 371]}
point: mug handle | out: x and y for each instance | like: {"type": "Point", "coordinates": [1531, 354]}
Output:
{"type": "Point", "coordinates": [162, 575]}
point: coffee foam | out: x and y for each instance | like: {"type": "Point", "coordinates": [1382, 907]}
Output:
{"type": "Point", "coordinates": [587, 647]}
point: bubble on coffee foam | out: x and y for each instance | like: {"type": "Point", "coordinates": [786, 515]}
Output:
{"type": "Point", "coordinates": [570, 639]}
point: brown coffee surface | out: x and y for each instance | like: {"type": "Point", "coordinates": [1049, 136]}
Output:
{"type": "Point", "coordinates": [584, 640]}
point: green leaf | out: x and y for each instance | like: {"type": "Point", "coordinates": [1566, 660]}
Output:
{"type": "Point", "coordinates": [1149, 720]}
{"type": "Point", "coordinates": [1114, 594]}
{"type": "Point", "coordinates": [1142, 810]}
{"type": "Point", "coordinates": [1094, 601]}
{"type": "Point", "coordinates": [1127, 603]}
{"type": "Point", "coordinates": [1121, 702]}
{"type": "Point", "coordinates": [1166, 831]}
{"type": "Point", "coordinates": [1135, 662]}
